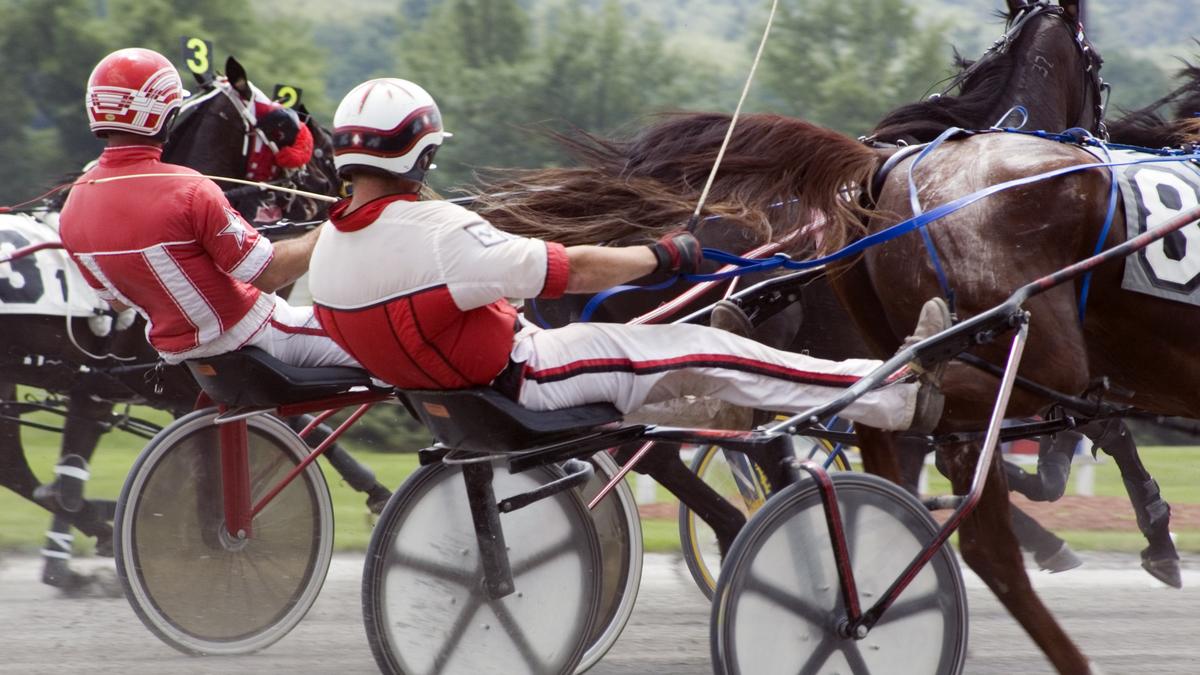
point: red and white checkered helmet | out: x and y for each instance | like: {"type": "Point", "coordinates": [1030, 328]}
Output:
{"type": "Point", "coordinates": [133, 90]}
{"type": "Point", "coordinates": [388, 124]}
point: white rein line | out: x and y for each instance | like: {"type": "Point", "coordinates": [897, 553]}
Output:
{"type": "Point", "coordinates": [733, 120]}
{"type": "Point", "coordinates": [259, 184]}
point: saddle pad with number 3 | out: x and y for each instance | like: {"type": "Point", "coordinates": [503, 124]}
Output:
{"type": "Point", "coordinates": [1154, 193]}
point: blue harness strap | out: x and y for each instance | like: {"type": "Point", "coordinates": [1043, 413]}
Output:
{"type": "Point", "coordinates": [1085, 284]}
{"type": "Point", "coordinates": [749, 265]}
{"type": "Point", "coordinates": [914, 202]}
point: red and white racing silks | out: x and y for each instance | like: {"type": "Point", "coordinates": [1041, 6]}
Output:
{"type": "Point", "coordinates": [415, 290]}
{"type": "Point", "coordinates": [151, 243]}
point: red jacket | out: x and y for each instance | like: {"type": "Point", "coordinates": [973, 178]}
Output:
{"type": "Point", "coordinates": [170, 247]}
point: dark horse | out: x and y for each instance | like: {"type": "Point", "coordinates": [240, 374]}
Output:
{"type": "Point", "coordinates": [1039, 65]}
{"type": "Point", "coordinates": [88, 361]}
{"type": "Point", "coordinates": [650, 184]}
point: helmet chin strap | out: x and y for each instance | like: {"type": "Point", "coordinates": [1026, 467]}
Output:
{"type": "Point", "coordinates": [695, 219]}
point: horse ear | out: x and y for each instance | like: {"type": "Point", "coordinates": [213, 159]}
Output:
{"type": "Point", "coordinates": [302, 111]}
{"type": "Point", "coordinates": [1072, 7]}
{"type": "Point", "coordinates": [237, 77]}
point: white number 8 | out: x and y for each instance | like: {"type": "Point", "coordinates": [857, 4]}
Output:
{"type": "Point", "coordinates": [1150, 183]}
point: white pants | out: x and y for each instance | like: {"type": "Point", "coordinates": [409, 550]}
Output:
{"type": "Point", "coordinates": [294, 337]}
{"type": "Point", "coordinates": [632, 366]}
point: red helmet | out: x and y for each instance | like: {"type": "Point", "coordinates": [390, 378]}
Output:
{"type": "Point", "coordinates": [133, 90]}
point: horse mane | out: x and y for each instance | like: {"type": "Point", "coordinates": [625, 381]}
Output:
{"type": "Point", "coordinates": [1148, 128]}
{"type": "Point", "coordinates": [924, 120]}
{"type": "Point", "coordinates": [775, 175]}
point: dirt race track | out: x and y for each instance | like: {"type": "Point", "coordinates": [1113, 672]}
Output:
{"type": "Point", "coordinates": [1125, 621]}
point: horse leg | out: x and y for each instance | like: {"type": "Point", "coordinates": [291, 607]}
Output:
{"type": "Point", "coordinates": [1153, 513]}
{"type": "Point", "coordinates": [84, 425]}
{"type": "Point", "coordinates": [357, 475]}
{"type": "Point", "coordinates": [1047, 485]}
{"type": "Point", "coordinates": [15, 472]}
{"type": "Point", "coordinates": [1049, 551]}
{"type": "Point", "coordinates": [910, 456]}
{"type": "Point", "coordinates": [665, 466]}
{"type": "Point", "coordinates": [989, 547]}
{"type": "Point", "coordinates": [880, 452]}
{"type": "Point", "coordinates": [1053, 469]}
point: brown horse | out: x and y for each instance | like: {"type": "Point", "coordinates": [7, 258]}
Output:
{"type": "Point", "coordinates": [988, 249]}
{"type": "Point", "coordinates": [1038, 64]}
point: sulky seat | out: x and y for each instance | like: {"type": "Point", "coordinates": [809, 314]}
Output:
{"type": "Point", "coordinates": [484, 420]}
{"type": "Point", "coordinates": [251, 377]}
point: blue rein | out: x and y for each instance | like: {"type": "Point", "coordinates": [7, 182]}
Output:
{"type": "Point", "coordinates": [918, 221]}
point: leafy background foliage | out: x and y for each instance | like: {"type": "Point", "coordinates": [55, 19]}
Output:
{"type": "Point", "coordinates": [502, 67]}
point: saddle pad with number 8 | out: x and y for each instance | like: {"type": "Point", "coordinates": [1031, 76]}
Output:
{"type": "Point", "coordinates": [1154, 193]}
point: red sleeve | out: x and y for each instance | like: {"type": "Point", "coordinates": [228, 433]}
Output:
{"type": "Point", "coordinates": [299, 152]}
{"type": "Point", "coordinates": [235, 246]}
{"type": "Point", "coordinates": [558, 268]}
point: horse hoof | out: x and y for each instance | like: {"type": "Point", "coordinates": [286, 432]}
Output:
{"type": "Point", "coordinates": [65, 492]}
{"type": "Point", "coordinates": [104, 545]}
{"type": "Point", "coordinates": [377, 498]}
{"type": "Point", "coordinates": [101, 583]}
{"type": "Point", "coordinates": [1062, 560]}
{"type": "Point", "coordinates": [1166, 570]}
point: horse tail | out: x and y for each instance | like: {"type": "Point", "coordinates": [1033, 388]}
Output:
{"type": "Point", "coordinates": [776, 174]}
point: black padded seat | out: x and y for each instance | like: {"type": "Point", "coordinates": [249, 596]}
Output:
{"type": "Point", "coordinates": [251, 377]}
{"type": "Point", "coordinates": [484, 420]}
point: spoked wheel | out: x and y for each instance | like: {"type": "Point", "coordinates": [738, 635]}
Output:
{"type": "Point", "coordinates": [778, 601]}
{"type": "Point", "coordinates": [620, 530]}
{"type": "Point", "coordinates": [196, 587]}
{"type": "Point", "coordinates": [424, 603]}
{"type": "Point", "coordinates": [742, 485]}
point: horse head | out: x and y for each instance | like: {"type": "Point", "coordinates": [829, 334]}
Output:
{"type": "Point", "coordinates": [1042, 64]}
{"type": "Point", "coordinates": [214, 133]}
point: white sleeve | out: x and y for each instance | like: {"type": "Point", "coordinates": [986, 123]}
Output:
{"type": "Point", "coordinates": [482, 264]}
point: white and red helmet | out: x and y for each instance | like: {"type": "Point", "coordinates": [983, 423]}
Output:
{"type": "Point", "coordinates": [133, 90]}
{"type": "Point", "coordinates": [388, 124]}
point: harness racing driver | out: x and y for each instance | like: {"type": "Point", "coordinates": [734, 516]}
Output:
{"type": "Point", "coordinates": [415, 291]}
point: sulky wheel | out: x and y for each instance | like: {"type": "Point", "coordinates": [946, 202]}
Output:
{"type": "Point", "coordinates": [424, 603]}
{"type": "Point", "coordinates": [778, 601]}
{"type": "Point", "coordinates": [198, 589]}
{"type": "Point", "coordinates": [620, 530]}
{"type": "Point", "coordinates": [711, 463]}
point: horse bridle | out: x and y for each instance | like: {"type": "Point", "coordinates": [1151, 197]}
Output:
{"type": "Point", "coordinates": [1016, 24]}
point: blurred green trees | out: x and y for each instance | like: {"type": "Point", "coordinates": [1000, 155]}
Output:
{"type": "Point", "coordinates": [846, 63]}
{"type": "Point", "coordinates": [500, 67]}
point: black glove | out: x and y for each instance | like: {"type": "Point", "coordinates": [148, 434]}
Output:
{"type": "Point", "coordinates": [678, 253]}
{"type": "Point", "coordinates": [281, 125]}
